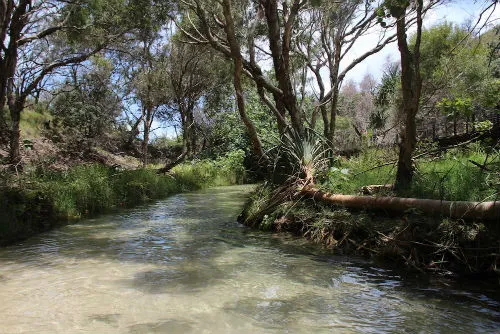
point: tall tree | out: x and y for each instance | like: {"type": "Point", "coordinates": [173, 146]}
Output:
{"type": "Point", "coordinates": [235, 51]}
{"type": "Point", "coordinates": [212, 27]}
{"type": "Point", "coordinates": [193, 75]}
{"type": "Point", "coordinates": [411, 84]}
{"type": "Point", "coordinates": [143, 56]}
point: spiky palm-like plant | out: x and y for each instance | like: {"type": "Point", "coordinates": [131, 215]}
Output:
{"type": "Point", "coordinates": [299, 157]}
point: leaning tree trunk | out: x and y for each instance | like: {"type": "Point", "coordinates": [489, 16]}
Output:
{"type": "Point", "coordinates": [238, 69]}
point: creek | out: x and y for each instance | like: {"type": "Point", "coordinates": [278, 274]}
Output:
{"type": "Point", "coordinates": [184, 265]}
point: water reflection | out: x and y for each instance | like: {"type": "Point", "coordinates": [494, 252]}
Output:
{"type": "Point", "coordinates": [184, 266]}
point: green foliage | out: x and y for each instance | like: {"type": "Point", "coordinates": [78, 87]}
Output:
{"type": "Point", "coordinates": [438, 42]}
{"type": "Point", "coordinates": [347, 176]}
{"type": "Point", "coordinates": [343, 123]}
{"type": "Point", "coordinates": [43, 197]}
{"type": "Point", "coordinates": [224, 170]}
{"type": "Point", "coordinates": [483, 126]}
{"type": "Point", "coordinates": [142, 185]}
{"type": "Point", "coordinates": [93, 20]}
{"type": "Point", "coordinates": [225, 132]}
{"type": "Point", "coordinates": [491, 94]}
{"type": "Point", "coordinates": [456, 71]}
{"type": "Point", "coordinates": [33, 121]}
{"type": "Point", "coordinates": [394, 8]}
{"type": "Point", "coordinates": [456, 106]}
{"type": "Point", "coordinates": [453, 177]}
{"type": "Point", "coordinates": [87, 107]}
{"type": "Point", "coordinates": [386, 97]}
{"type": "Point", "coordinates": [299, 156]}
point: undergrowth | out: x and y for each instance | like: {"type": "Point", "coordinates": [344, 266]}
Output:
{"type": "Point", "coordinates": [446, 176]}
{"type": "Point", "coordinates": [37, 199]}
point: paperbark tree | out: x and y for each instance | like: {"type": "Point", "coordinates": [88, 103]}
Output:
{"type": "Point", "coordinates": [335, 29]}
{"type": "Point", "coordinates": [411, 86]}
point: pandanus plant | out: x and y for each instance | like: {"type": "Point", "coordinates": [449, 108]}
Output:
{"type": "Point", "coordinates": [298, 157]}
{"type": "Point", "coordinates": [294, 162]}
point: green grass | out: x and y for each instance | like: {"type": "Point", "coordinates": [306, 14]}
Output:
{"type": "Point", "coordinates": [450, 176]}
{"type": "Point", "coordinates": [349, 175]}
{"type": "Point", "coordinates": [41, 197]}
{"type": "Point", "coordinates": [32, 122]}
{"type": "Point", "coordinates": [453, 177]}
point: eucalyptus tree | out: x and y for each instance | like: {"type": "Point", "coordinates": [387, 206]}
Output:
{"type": "Point", "coordinates": [193, 76]}
{"type": "Point", "coordinates": [240, 31]}
{"type": "Point", "coordinates": [334, 30]}
{"type": "Point", "coordinates": [37, 38]}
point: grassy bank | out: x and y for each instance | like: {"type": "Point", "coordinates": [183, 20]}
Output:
{"type": "Point", "coordinates": [39, 199]}
{"type": "Point", "coordinates": [449, 176]}
{"type": "Point", "coordinates": [411, 240]}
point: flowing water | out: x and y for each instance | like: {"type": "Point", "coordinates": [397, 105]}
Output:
{"type": "Point", "coordinates": [183, 265]}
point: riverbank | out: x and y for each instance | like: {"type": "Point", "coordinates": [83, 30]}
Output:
{"type": "Point", "coordinates": [41, 199]}
{"type": "Point", "coordinates": [445, 246]}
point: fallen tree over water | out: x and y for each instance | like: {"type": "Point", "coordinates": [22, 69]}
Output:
{"type": "Point", "coordinates": [450, 209]}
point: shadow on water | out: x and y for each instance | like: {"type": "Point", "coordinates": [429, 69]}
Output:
{"type": "Point", "coordinates": [167, 326]}
{"type": "Point", "coordinates": [191, 244]}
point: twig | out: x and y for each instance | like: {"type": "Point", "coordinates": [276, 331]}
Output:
{"type": "Point", "coordinates": [479, 165]}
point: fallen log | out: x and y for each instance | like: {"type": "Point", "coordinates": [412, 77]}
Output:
{"type": "Point", "coordinates": [451, 209]}
{"type": "Point", "coordinates": [493, 133]}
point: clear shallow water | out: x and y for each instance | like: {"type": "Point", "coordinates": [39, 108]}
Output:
{"type": "Point", "coordinates": [183, 265]}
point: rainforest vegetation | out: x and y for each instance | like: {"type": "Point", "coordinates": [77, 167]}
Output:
{"type": "Point", "coordinates": [107, 104]}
